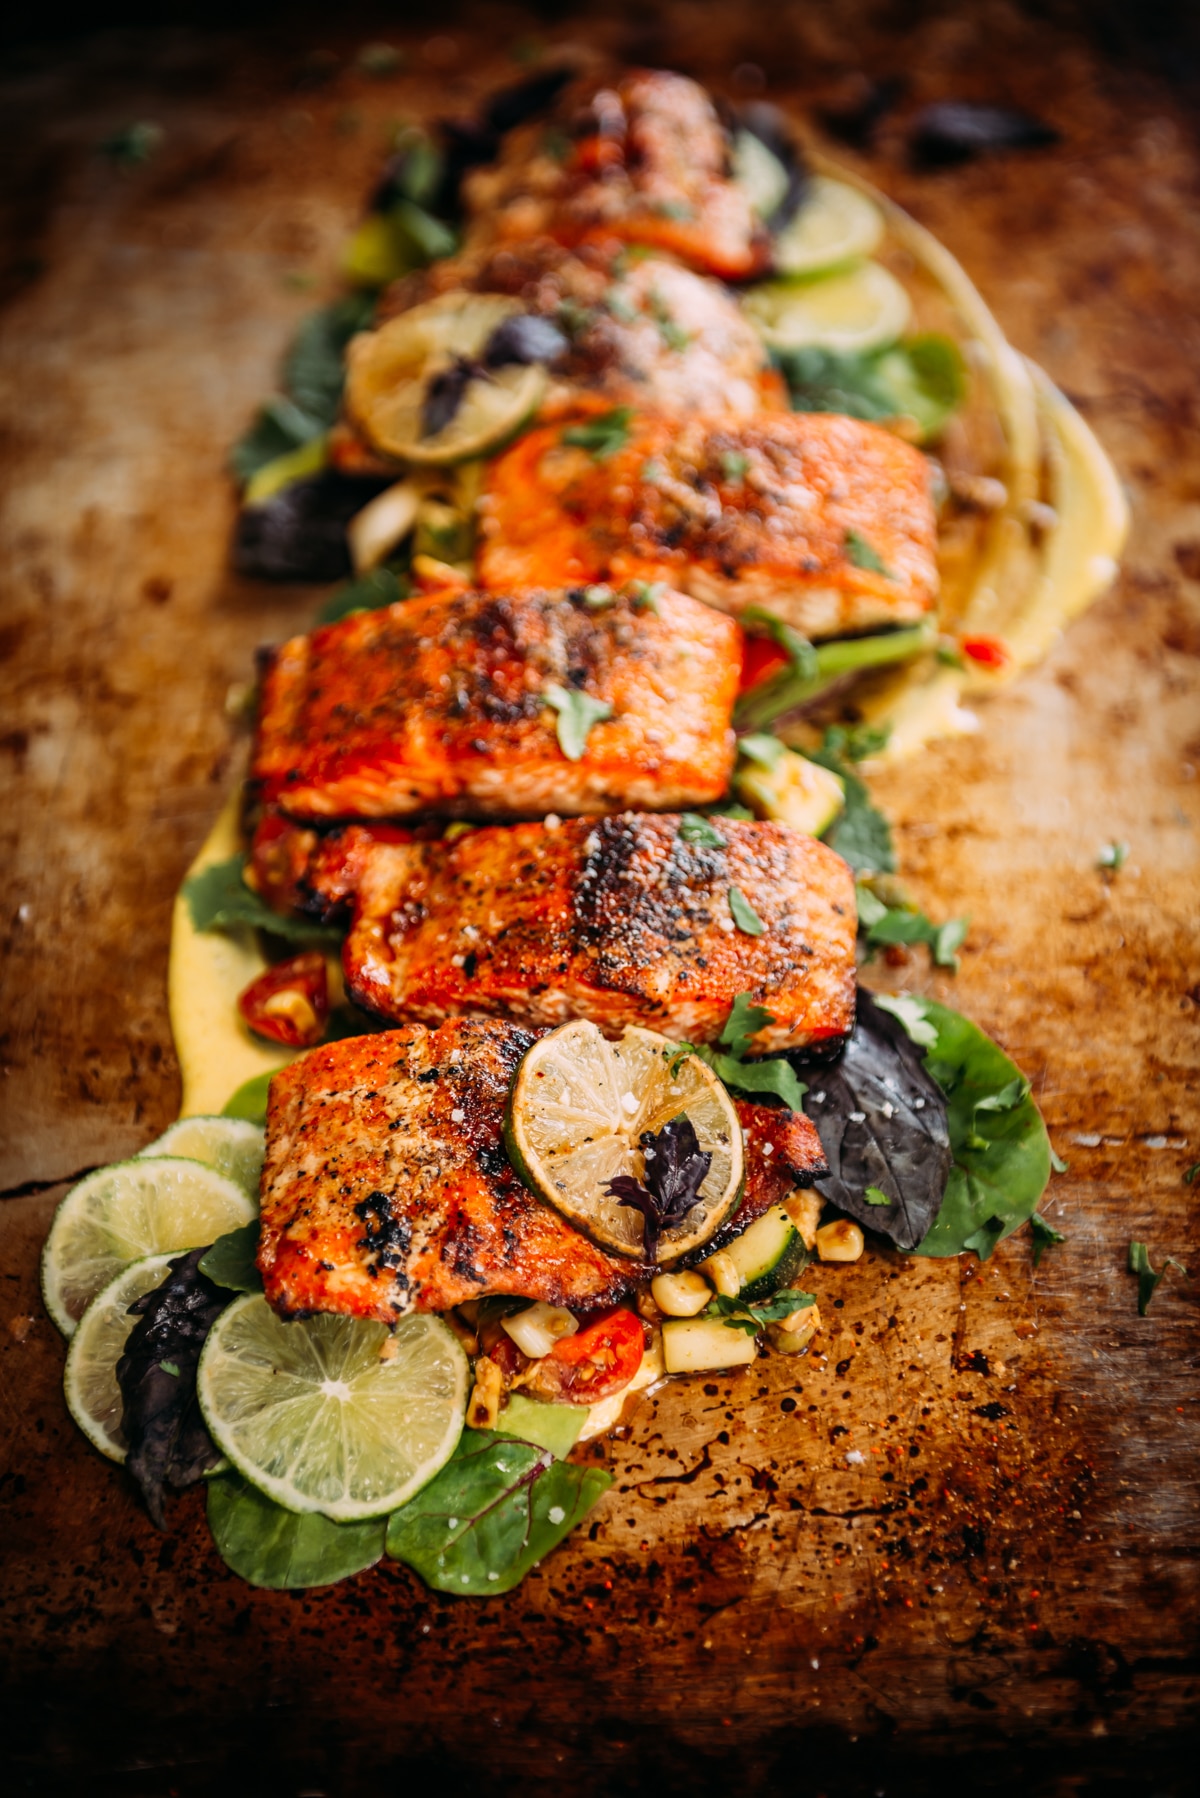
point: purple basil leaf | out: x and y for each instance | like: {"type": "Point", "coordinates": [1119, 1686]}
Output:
{"type": "Point", "coordinates": [676, 1168]}
{"type": "Point", "coordinates": [524, 338]}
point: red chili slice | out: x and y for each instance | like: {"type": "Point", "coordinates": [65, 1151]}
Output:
{"type": "Point", "coordinates": [289, 1002]}
{"type": "Point", "coordinates": [763, 656]}
{"type": "Point", "coordinates": [989, 652]}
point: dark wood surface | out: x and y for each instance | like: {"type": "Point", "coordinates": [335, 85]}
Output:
{"type": "Point", "coordinates": [966, 1532]}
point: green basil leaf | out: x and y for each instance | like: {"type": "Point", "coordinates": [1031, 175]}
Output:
{"type": "Point", "coordinates": [995, 1181]}
{"type": "Point", "coordinates": [250, 1099]}
{"type": "Point", "coordinates": [744, 914]}
{"type": "Point", "coordinates": [285, 1550]}
{"type": "Point", "coordinates": [745, 1020]}
{"type": "Point", "coordinates": [497, 1507]}
{"type": "Point", "coordinates": [865, 555]}
{"type": "Point", "coordinates": [219, 899]}
{"type": "Point", "coordinates": [1044, 1236]}
{"type": "Point", "coordinates": [231, 1259]}
{"type": "Point", "coordinates": [695, 829]}
{"type": "Point", "coordinates": [603, 436]}
{"type": "Point", "coordinates": [577, 712]}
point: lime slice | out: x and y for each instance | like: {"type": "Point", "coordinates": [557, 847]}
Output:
{"type": "Point", "coordinates": [759, 172]}
{"type": "Point", "coordinates": [862, 309]}
{"type": "Point", "coordinates": [90, 1379]}
{"type": "Point", "coordinates": [835, 224]}
{"type": "Point", "coordinates": [310, 1414]}
{"type": "Point", "coordinates": [578, 1107]}
{"type": "Point", "coordinates": [121, 1213]}
{"type": "Point", "coordinates": [389, 371]}
{"type": "Point", "coordinates": [231, 1145]}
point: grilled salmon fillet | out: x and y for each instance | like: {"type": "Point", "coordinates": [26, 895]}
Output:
{"type": "Point", "coordinates": [826, 522]}
{"type": "Point", "coordinates": [386, 1187]}
{"type": "Point", "coordinates": [440, 704]}
{"type": "Point", "coordinates": [648, 332]}
{"type": "Point", "coordinates": [624, 920]}
{"type": "Point", "coordinates": [648, 164]}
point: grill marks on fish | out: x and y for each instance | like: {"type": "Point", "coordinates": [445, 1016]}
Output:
{"type": "Point", "coordinates": [438, 704]}
{"type": "Point", "coordinates": [386, 1188]}
{"type": "Point", "coordinates": [768, 511]}
{"type": "Point", "coordinates": [621, 921]}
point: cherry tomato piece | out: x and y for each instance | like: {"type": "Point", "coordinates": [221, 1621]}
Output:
{"type": "Point", "coordinates": [595, 1363]}
{"type": "Point", "coordinates": [763, 656]}
{"type": "Point", "coordinates": [989, 652]}
{"type": "Point", "coordinates": [289, 1002]}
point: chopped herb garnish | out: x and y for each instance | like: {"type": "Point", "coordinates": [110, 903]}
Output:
{"type": "Point", "coordinates": [775, 1076]}
{"type": "Point", "coordinates": [602, 437]}
{"type": "Point", "coordinates": [1191, 1173]}
{"type": "Point", "coordinates": [1007, 1098]}
{"type": "Point", "coordinates": [1044, 1236]}
{"type": "Point", "coordinates": [737, 1314]}
{"type": "Point", "coordinates": [744, 914]}
{"type": "Point", "coordinates": [744, 1022]}
{"type": "Point", "coordinates": [673, 209]}
{"type": "Point", "coordinates": [873, 1196]}
{"type": "Point", "coordinates": [133, 144]}
{"type": "Point", "coordinates": [1057, 1163]}
{"type": "Point", "coordinates": [645, 595]}
{"type": "Point", "coordinates": [733, 466]}
{"type": "Point", "coordinates": [1113, 857]}
{"type": "Point", "coordinates": [673, 335]}
{"type": "Point", "coordinates": [1139, 1264]}
{"type": "Point", "coordinates": [884, 925]}
{"type": "Point", "coordinates": [171, 1367]}
{"type": "Point", "coordinates": [598, 599]}
{"type": "Point", "coordinates": [676, 1167]}
{"type": "Point", "coordinates": [653, 471]}
{"type": "Point", "coordinates": [861, 553]}
{"type": "Point", "coordinates": [620, 305]}
{"type": "Point", "coordinates": [577, 712]}
{"type": "Point", "coordinates": [697, 830]}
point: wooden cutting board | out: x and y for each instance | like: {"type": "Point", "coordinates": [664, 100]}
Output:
{"type": "Point", "coordinates": [967, 1529]}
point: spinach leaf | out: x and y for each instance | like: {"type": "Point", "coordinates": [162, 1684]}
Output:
{"type": "Point", "coordinates": [366, 593]}
{"type": "Point", "coordinates": [283, 1550]}
{"type": "Point", "coordinates": [744, 914]}
{"type": "Point", "coordinates": [923, 378]}
{"type": "Point", "coordinates": [882, 1123]}
{"type": "Point", "coordinates": [495, 1510]}
{"type": "Point", "coordinates": [156, 1373]}
{"type": "Point", "coordinates": [602, 436]}
{"type": "Point", "coordinates": [1139, 1264]}
{"type": "Point", "coordinates": [250, 1099]}
{"type": "Point", "coordinates": [219, 899]}
{"type": "Point", "coordinates": [314, 368]}
{"type": "Point", "coordinates": [230, 1262]}
{"type": "Point", "coordinates": [577, 712]}
{"type": "Point", "coordinates": [279, 427]}
{"type": "Point", "coordinates": [999, 1174]}
{"type": "Point", "coordinates": [1044, 1236]}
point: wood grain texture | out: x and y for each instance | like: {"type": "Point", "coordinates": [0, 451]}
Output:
{"type": "Point", "coordinates": [965, 1533]}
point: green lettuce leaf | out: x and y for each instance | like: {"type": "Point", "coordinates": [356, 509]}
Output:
{"type": "Point", "coordinates": [285, 1550]}
{"type": "Point", "coordinates": [496, 1509]}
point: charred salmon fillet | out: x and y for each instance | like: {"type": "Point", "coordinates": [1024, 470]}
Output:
{"type": "Point", "coordinates": [625, 920]}
{"type": "Point", "coordinates": [646, 333]}
{"type": "Point", "coordinates": [447, 703]}
{"type": "Point", "coordinates": [386, 1187]}
{"type": "Point", "coordinates": [648, 163]}
{"type": "Point", "coordinates": [826, 522]}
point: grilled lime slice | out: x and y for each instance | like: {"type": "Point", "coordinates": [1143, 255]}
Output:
{"type": "Point", "coordinates": [232, 1145]}
{"type": "Point", "coordinates": [576, 1114]}
{"type": "Point", "coordinates": [310, 1414]}
{"type": "Point", "coordinates": [862, 309]}
{"type": "Point", "coordinates": [121, 1213]}
{"type": "Point", "coordinates": [90, 1378]}
{"type": "Point", "coordinates": [834, 224]}
{"type": "Point", "coordinates": [389, 373]}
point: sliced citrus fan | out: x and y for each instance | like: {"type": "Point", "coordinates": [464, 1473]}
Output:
{"type": "Point", "coordinates": [233, 1146]}
{"type": "Point", "coordinates": [312, 1415]}
{"type": "Point", "coordinates": [121, 1213]}
{"type": "Point", "coordinates": [578, 1108]}
{"type": "Point", "coordinates": [389, 372]}
{"type": "Point", "coordinates": [90, 1377]}
{"type": "Point", "coordinates": [863, 309]}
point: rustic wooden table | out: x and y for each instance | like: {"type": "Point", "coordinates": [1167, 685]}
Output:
{"type": "Point", "coordinates": [964, 1538]}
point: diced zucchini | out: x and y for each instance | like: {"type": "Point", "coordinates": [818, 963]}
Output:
{"type": "Point", "coordinates": [704, 1344]}
{"type": "Point", "coordinates": [767, 1253]}
{"type": "Point", "coordinates": [793, 790]}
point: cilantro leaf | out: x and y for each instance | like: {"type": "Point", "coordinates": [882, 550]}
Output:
{"type": "Point", "coordinates": [775, 1076]}
{"type": "Point", "coordinates": [1044, 1236]}
{"type": "Point", "coordinates": [733, 466]}
{"type": "Point", "coordinates": [577, 712]}
{"type": "Point", "coordinates": [744, 914]}
{"type": "Point", "coordinates": [603, 436]}
{"type": "Point", "coordinates": [697, 830]}
{"type": "Point", "coordinates": [864, 555]}
{"type": "Point", "coordinates": [885, 924]}
{"type": "Point", "coordinates": [745, 1020]}
{"type": "Point", "coordinates": [219, 899]}
{"type": "Point", "coordinates": [1057, 1163]}
{"type": "Point", "coordinates": [675, 1169]}
{"type": "Point", "coordinates": [1113, 857]}
{"type": "Point", "coordinates": [1139, 1264]}
{"type": "Point", "coordinates": [739, 1314]}
{"type": "Point", "coordinates": [646, 595]}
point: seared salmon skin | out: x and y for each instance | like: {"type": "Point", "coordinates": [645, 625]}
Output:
{"type": "Point", "coordinates": [628, 919]}
{"type": "Point", "coordinates": [493, 705]}
{"type": "Point", "coordinates": [826, 522]}
{"type": "Point", "coordinates": [647, 163]}
{"type": "Point", "coordinates": [386, 1187]}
